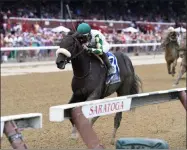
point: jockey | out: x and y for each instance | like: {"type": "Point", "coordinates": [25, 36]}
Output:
{"type": "Point", "coordinates": [95, 42]}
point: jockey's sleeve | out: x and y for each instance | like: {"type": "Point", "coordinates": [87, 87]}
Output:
{"type": "Point", "coordinates": [100, 46]}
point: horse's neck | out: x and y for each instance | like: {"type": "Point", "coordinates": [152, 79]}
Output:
{"type": "Point", "coordinates": [172, 47]}
{"type": "Point", "coordinates": [81, 65]}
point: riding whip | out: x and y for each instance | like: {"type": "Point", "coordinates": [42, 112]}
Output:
{"type": "Point", "coordinates": [67, 6]}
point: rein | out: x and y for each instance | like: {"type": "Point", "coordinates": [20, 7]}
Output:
{"type": "Point", "coordinates": [77, 43]}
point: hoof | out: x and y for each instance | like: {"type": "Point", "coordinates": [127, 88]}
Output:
{"type": "Point", "coordinates": [74, 136]}
{"type": "Point", "coordinates": [112, 142]}
{"type": "Point", "coordinates": [174, 85]}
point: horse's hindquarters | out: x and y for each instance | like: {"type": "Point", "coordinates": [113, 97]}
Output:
{"type": "Point", "coordinates": [111, 89]}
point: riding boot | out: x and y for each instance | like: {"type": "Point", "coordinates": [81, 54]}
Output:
{"type": "Point", "coordinates": [111, 69]}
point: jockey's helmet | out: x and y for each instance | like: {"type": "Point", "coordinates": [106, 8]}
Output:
{"type": "Point", "coordinates": [83, 28]}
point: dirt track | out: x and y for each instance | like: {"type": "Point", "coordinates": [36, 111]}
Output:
{"type": "Point", "coordinates": [37, 92]}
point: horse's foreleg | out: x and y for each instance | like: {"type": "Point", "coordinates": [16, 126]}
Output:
{"type": "Point", "coordinates": [88, 135]}
{"type": "Point", "coordinates": [95, 95]}
{"type": "Point", "coordinates": [169, 67]}
{"type": "Point", "coordinates": [181, 72]}
{"type": "Point", "coordinates": [74, 133]}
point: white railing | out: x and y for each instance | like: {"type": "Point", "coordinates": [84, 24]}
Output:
{"type": "Point", "coordinates": [28, 48]}
{"type": "Point", "coordinates": [56, 47]}
{"type": "Point", "coordinates": [93, 20]}
{"type": "Point", "coordinates": [135, 44]}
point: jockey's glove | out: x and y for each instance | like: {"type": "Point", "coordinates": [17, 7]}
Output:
{"type": "Point", "coordinates": [89, 50]}
{"type": "Point", "coordinates": [85, 47]}
{"type": "Point", "coordinates": [90, 45]}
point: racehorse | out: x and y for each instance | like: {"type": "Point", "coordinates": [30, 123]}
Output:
{"type": "Point", "coordinates": [183, 66]}
{"type": "Point", "coordinates": [170, 46]}
{"type": "Point", "coordinates": [89, 76]}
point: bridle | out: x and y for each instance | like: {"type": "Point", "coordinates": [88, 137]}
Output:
{"type": "Point", "coordinates": [78, 44]}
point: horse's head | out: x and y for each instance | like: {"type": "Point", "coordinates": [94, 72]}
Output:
{"type": "Point", "coordinates": [69, 49]}
{"type": "Point", "coordinates": [172, 36]}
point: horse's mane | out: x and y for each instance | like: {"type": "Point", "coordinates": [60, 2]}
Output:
{"type": "Point", "coordinates": [71, 32]}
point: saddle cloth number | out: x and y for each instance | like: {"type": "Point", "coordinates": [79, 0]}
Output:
{"type": "Point", "coordinates": [112, 61]}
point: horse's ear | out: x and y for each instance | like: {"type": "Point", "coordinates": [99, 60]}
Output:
{"type": "Point", "coordinates": [70, 33]}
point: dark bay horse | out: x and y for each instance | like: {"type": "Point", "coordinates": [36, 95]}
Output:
{"type": "Point", "coordinates": [89, 76]}
{"type": "Point", "coordinates": [170, 46]}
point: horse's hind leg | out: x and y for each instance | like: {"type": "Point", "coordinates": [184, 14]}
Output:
{"type": "Point", "coordinates": [181, 72]}
{"type": "Point", "coordinates": [117, 121]}
{"type": "Point", "coordinates": [131, 85]}
{"type": "Point", "coordinates": [122, 91]}
{"type": "Point", "coordinates": [173, 67]}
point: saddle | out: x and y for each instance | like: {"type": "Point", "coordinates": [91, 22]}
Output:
{"type": "Point", "coordinates": [99, 58]}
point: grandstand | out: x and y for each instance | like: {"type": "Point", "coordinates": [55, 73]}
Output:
{"type": "Point", "coordinates": [125, 12]}
{"type": "Point", "coordinates": [35, 17]}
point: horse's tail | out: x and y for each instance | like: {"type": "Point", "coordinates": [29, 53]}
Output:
{"type": "Point", "coordinates": [137, 85]}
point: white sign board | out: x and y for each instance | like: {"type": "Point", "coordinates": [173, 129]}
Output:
{"type": "Point", "coordinates": [32, 120]}
{"type": "Point", "coordinates": [106, 108]}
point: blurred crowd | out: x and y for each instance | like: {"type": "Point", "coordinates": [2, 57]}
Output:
{"type": "Point", "coordinates": [139, 10]}
{"type": "Point", "coordinates": [16, 35]}
{"type": "Point", "coordinates": [132, 38]}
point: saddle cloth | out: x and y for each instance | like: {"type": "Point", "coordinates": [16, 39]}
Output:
{"type": "Point", "coordinates": [114, 78]}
